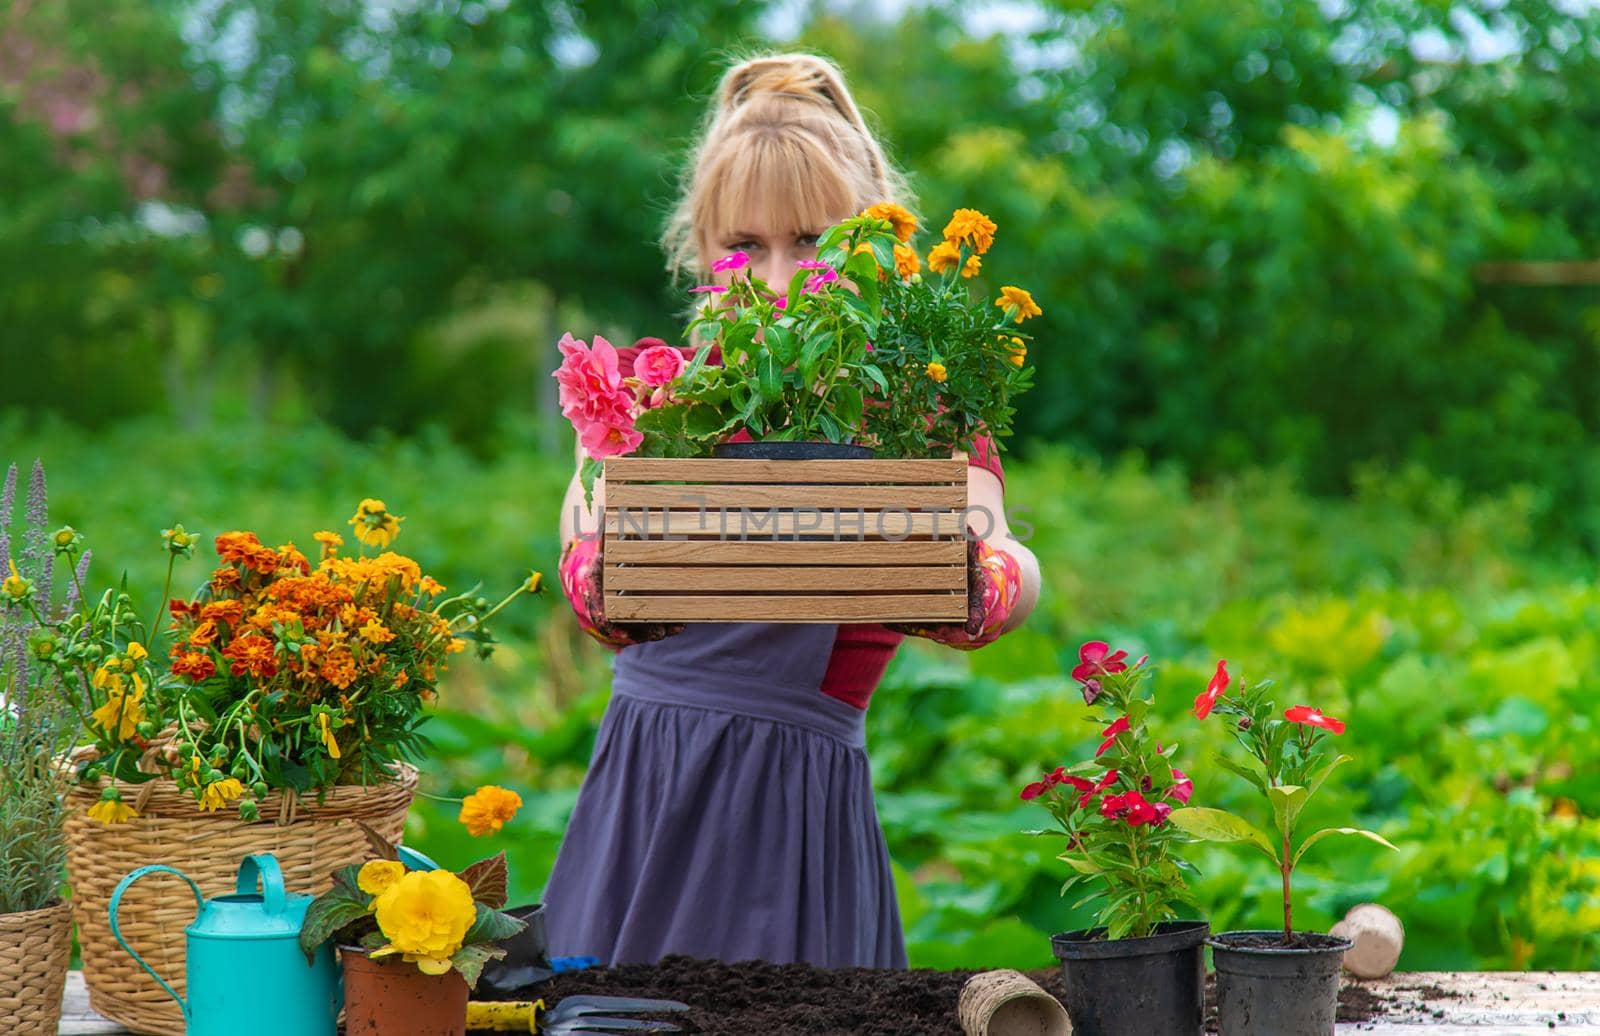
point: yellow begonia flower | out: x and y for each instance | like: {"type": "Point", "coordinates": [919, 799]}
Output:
{"type": "Point", "coordinates": [112, 811]}
{"type": "Point", "coordinates": [219, 793]}
{"type": "Point", "coordinates": [1018, 304]}
{"type": "Point", "coordinates": [377, 875]}
{"type": "Point", "coordinates": [329, 742]}
{"type": "Point", "coordinates": [486, 810]}
{"type": "Point", "coordinates": [970, 227]}
{"type": "Point", "coordinates": [425, 916]}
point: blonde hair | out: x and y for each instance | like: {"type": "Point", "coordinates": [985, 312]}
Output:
{"type": "Point", "coordinates": [785, 144]}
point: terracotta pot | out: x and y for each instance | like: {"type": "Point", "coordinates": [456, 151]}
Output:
{"type": "Point", "coordinates": [390, 997]}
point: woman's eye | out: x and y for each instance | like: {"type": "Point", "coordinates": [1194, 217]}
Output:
{"type": "Point", "coordinates": [808, 240]}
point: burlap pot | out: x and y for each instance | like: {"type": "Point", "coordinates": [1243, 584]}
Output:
{"type": "Point", "coordinates": [310, 839]}
{"type": "Point", "coordinates": [35, 948]}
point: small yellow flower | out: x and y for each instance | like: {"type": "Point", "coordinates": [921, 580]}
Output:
{"type": "Point", "coordinates": [1018, 350]}
{"type": "Point", "coordinates": [135, 652]}
{"type": "Point", "coordinates": [944, 257]}
{"type": "Point", "coordinates": [906, 260]}
{"type": "Point", "coordinates": [219, 793]}
{"type": "Point", "coordinates": [329, 742]}
{"type": "Point", "coordinates": [122, 711]}
{"type": "Point", "coordinates": [904, 223]}
{"type": "Point", "coordinates": [974, 264]}
{"type": "Point", "coordinates": [486, 810]}
{"type": "Point", "coordinates": [330, 541]}
{"type": "Point", "coordinates": [1018, 304]}
{"type": "Point", "coordinates": [111, 809]}
{"type": "Point", "coordinates": [970, 227]}
{"type": "Point", "coordinates": [425, 916]}
{"type": "Point", "coordinates": [534, 582]}
{"type": "Point", "coordinates": [14, 585]}
{"type": "Point", "coordinates": [374, 525]}
{"type": "Point", "coordinates": [430, 586]}
{"type": "Point", "coordinates": [377, 875]}
{"type": "Point", "coordinates": [936, 371]}
{"type": "Point", "coordinates": [376, 632]}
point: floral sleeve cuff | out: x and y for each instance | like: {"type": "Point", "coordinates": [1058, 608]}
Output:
{"type": "Point", "coordinates": [994, 585]}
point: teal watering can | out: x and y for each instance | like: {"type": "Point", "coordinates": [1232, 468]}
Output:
{"type": "Point", "coordinates": [246, 974]}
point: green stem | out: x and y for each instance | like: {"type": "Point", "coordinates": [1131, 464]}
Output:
{"type": "Point", "coordinates": [1285, 866]}
{"type": "Point", "coordinates": [155, 623]}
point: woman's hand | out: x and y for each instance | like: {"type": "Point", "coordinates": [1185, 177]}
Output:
{"type": "Point", "coordinates": [994, 587]}
{"type": "Point", "coordinates": [582, 567]}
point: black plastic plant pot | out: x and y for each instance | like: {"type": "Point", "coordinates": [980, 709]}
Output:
{"type": "Point", "coordinates": [1267, 989]}
{"type": "Point", "coordinates": [526, 960]}
{"type": "Point", "coordinates": [1151, 986]}
{"type": "Point", "coordinates": [791, 451]}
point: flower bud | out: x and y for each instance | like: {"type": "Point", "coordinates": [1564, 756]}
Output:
{"type": "Point", "coordinates": [1091, 691]}
{"type": "Point", "coordinates": [1244, 723]}
{"type": "Point", "coordinates": [260, 789]}
{"type": "Point", "coordinates": [248, 812]}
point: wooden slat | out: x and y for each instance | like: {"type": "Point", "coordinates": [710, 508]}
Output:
{"type": "Point", "coordinates": [671, 469]}
{"type": "Point", "coordinates": [732, 524]}
{"type": "Point", "coordinates": [843, 552]}
{"type": "Point", "coordinates": [790, 608]}
{"type": "Point", "coordinates": [714, 497]}
{"type": "Point", "coordinates": [890, 579]}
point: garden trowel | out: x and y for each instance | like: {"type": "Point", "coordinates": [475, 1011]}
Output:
{"type": "Point", "coordinates": [572, 1016]}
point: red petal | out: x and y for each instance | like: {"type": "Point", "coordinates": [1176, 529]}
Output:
{"type": "Point", "coordinates": [1093, 651]}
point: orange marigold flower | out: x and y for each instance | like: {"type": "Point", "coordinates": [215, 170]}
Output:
{"type": "Point", "coordinates": [944, 257]}
{"type": "Point", "coordinates": [339, 668]}
{"type": "Point", "coordinates": [970, 227]}
{"type": "Point", "coordinates": [237, 546]}
{"type": "Point", "coordinates": [223, 611]}
{"type": "Point", "coordinates": [486, 810]}
{"type": "Point", "coordinates": [290, 559]}
{"type": "Point", "coordinates": [974, 264]}
{"type": "Point", "coordinates": [263, 559]}
{"type": "Point", "coordinates": [330, 543]}
{"type": "Point", "coordinates": [1018, 304]}
{"type": "Point", "coordinates": [196, 665]}
{"type": "Point", "coordinates": [401, 679]}
{"type": "Point", "coordinates": [252, 654]}
{"type": "Point", "coordinates": [905, 224]}
{"type": "Point", "coordinates": [203, 634]}
{"type": "Point", "coordinates": [225, 578]}
{"type": "Point", "coordinates": [906, 261]}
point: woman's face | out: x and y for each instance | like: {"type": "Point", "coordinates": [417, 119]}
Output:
{"type": "Point", "coordinates": [774, 251]}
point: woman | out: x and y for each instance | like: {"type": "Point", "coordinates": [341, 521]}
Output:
{"type": "Point", "coordinates": [727, 812]}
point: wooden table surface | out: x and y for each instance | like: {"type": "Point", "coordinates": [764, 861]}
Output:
{"type": "Point", "coordinates": [1474, 1003]}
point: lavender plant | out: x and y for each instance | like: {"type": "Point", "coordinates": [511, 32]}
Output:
{"type": "Point", "coordinates": [37, 724]}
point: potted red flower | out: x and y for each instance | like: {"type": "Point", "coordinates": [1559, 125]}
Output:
{"type": "Point", "coordinates": [1272, 982]}
{"type": "Point", "coordinates": [1140, 970]}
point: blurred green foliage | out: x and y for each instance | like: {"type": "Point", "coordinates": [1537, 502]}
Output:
{"type": "Point", "coordinates": [1253, 226]}
{"type": "Point", "coordinates": [1455, 643]}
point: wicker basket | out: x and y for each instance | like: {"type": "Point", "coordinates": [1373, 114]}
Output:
{"type": "Point", "coordinates": [35, 948]}
{"type": "Point", "coordinates": [311, 839]}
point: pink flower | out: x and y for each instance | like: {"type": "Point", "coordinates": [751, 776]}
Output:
{"type": "Point", "coordinates": [714, 289]}
{"type": "Point", "coordinates": [659, 364]}
{"type": "Point", "coordinates": [594, 399]}
{"type": "Point", "coordinates": [1207, 698]}
{"type": "Point", "coordinates": [812, 264]}
{"type": "Point", "coordinates": [1093, 659]}
{"type": "Point", "coordinates": [1111, 734]}
{"type": "Point", "coordinates": [783, 302]}
{"type": "Point", "coordinates": [609, 440]}
{"type": "Point", "coordinates": [731, 261]}
{"type": "Point", "coordinates": [815, 282]}
{"type": "Point", "coordinates": [1106, 780]}
{"type": "Point", "coordinates": [1182, 787]}
{"type": "Point", "coordinates": [1313, 718]}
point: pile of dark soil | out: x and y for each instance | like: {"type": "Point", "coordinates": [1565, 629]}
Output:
{"type": "Point", "coordinates": [801, 1000]}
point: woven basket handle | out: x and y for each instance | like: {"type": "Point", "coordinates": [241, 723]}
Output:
{"type": "Point", "coordinates": [116, 930]}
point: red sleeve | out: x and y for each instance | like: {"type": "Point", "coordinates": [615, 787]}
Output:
{"type": "Point", "coordinates": [984, 454]}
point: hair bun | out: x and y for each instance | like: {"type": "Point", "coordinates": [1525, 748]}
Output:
{"type": "Point", "coordinates": [792, 75]}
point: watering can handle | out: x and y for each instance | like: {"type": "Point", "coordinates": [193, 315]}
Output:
{"type": "Point", "coordinates": [116, 930]}
{"type": "Point", "coordinates": [263, 867]}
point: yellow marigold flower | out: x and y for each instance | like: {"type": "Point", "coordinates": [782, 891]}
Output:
{"type": "Point", "coordinates": [376, 632]}
{"type": "Point", "coordinates": [534, 581]}
{"type": "Point", "coordinates": [970, 227]}
{"type": "Point", "coordinates": [906, 260]}
{"type": "Point", "coordinates": [974, 264]}
{"type": "Point", "coordinates": [1018, 350]}
{"type": "Point", "coordinates": [1018, 304]}
{"type": "Point", "coordinates": [377, 875]}
{"type": "Point", "coordinates": [330, 542]}
{"type": "Point", "coordinates": [329, 742]}
{"type": "Point", "coordinates": [486, 810]}
{"type": "Point", "coordinates": [430, 586]}
{"type": "Point", "coordinates": [904, 223]}
{"type": "Point", "coordinates": [111, 809]}
{"type": "Point", "coordinates": [944, 257]}
{"type": "Point", "coordinates": [374, 525]}
{"type": "Point", "coordinates": [425, 916]}
{"type": "Point", "coordinates": [936, 371]}
{"type": "Point", "coordinates": [219, 793]}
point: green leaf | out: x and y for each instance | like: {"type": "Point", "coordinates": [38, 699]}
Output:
{"type": "Point", "coordinates": [470, 959]}
{"type": "Point", "coordinates": [327, 914]}
{"type": "Point", "coordinates": [1215, 825]}
{"type": "Point", "coordinates": [1250, 775]}
{"type": "Point", "coordinates": [797, 282]}
{"type": "Point", "coordinates": [487, 880]}
{"type": "Point", "coordinates": [1286, 802]}
{"type": "Point", "coordinates": [492, 926]}
{"type": "Point", "coordinates": [1326, 772]}
{"type": "Point", "coordinates": [812, 352]}
{"type": "Point", "coordinates": [667, 420]}
{"type": "Point", "coordinates": [703, 421]}
{"type": "Point", "coordinates": [847, 404]}
{"type": "Point", "coordinates": [782, 343]}
{"type": "Point", "coordinates": [1079, 864]}
{"type": "Point", "coordinates": [871, 370]}
{"type": "Point", "coordinates": [769, 377]}
{"type": "Point", "coordinates": [1325, 832]}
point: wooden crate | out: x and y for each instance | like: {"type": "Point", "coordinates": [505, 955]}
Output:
{"type": "Point", "coordinates": [785, 541]}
